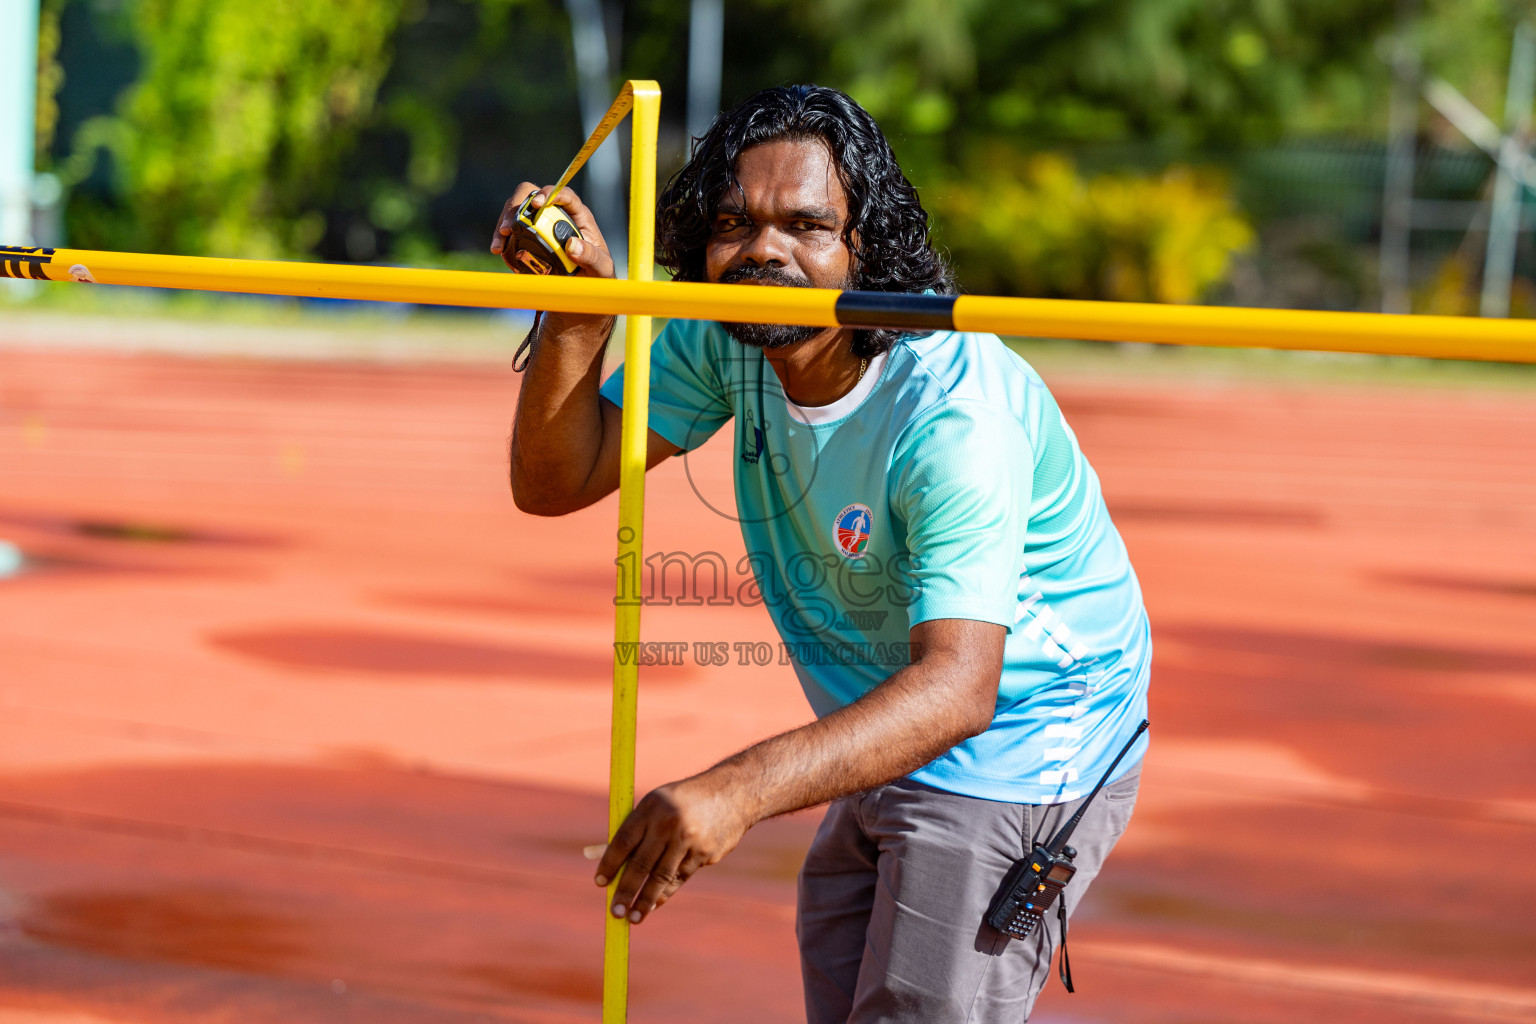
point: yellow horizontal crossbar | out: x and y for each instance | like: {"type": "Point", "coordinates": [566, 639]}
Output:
{"type": "Point", "coordinates": [1437, 337]}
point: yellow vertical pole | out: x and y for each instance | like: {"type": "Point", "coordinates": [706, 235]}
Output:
{"type": "Point", "coordinates": [632, 445]}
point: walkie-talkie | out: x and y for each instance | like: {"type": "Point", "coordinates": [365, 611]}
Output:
{"type": "Point", "coordinates": [1034, 883]}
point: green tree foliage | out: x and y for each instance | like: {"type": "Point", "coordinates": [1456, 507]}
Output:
{"type": "Point", "coordinates": [476, 87]}
{"type": "Point", "coordinates": [974, 91]}
{"type": "Point", "coordinates": [1036, 226]}
{"type": "Point", "coordinates": [229, 142]}
{"type": "Point", "coordinates": [1185, 72]}
{"type": "Point", "coordinates": [351, 129]}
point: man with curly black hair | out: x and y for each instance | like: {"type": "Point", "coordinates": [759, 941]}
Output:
{"type": "Point", "coordinates": [928, 539]}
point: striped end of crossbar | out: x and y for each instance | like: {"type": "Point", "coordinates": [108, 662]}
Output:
{"type": "Point", "coordinates": [22, 261]}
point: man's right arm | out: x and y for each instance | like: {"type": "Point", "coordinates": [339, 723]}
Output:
{"type": "Point", "coordinates": [565, 436]}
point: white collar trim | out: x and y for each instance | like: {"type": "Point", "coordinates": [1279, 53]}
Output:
{"type": "Point", "coordinates": [815, 415]}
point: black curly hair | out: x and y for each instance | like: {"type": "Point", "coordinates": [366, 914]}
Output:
{"type": "Point", "coordinates": [887, 229]}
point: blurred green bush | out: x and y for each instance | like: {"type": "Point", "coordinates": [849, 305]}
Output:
{"type": "Point", "coordinates": [230, 140]}
{"type": "Point", "coordinates": [393, 129]}
{"type": "Point", "coordinates": [1033, 225]}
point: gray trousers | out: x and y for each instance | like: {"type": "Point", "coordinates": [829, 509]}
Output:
{"type": "Point", "coordinates": [893, 895]}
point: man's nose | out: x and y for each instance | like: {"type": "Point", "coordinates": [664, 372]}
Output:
{"type": "Point", "coordinates": [766, 247]}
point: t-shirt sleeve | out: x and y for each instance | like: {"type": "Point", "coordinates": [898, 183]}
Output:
{"type": "Point", "coordinates": [688, 400]}
{"type": "Point", "coordinates": [962, 485]}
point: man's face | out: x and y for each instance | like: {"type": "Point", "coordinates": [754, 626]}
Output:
{"type": "Point", "coordinates": [784, 226]}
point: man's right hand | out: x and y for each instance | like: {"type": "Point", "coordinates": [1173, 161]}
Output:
{"type": "Point", "coordinates": [565, 438]}
{"type": "Point", "coordinates": [589, 253]}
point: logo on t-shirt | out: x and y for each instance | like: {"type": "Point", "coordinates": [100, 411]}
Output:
{"type": "Point", "coordinates": [852, 528]}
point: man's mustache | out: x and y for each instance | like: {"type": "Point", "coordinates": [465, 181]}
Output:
{"type": "Point", "coordinates": [754, 273]}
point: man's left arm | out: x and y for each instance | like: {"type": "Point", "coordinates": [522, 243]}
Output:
{"type": "Point", "coordinates": [945, 696]}
{"type": "Point", "coordinates": [961, 484]}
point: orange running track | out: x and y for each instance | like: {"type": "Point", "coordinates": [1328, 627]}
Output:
{"type": "Point", "coordinates": [302, 721]}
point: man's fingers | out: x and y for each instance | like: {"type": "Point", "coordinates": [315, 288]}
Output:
{"type": "Point", "coordinates": [658, 850]}
{"type": "Point", "coordinates": [642, 863]}
{"type": "Point", "coordinates": [508, 212]}
{"type": "Point", "coordinates": [690, 865]}
{"type": "Point", "coordinates": [685, 871]}
{"type": "Point", "coordinates": [665, 878]}
{"type": "Point", "coordinates": [589, 256]}
{"type": "Point", "coordinates": [620, 847]}
{"type": "Point", "coordinates": [577, 210]}
{"type": "Point", "coordinates": [589, 252]}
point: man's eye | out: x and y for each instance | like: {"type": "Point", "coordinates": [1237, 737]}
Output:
{"type": "Point", "coordinates": [724, 224]}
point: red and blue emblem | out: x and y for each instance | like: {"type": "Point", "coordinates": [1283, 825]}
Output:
{"type": "Point", "coordinates": [852, 528]}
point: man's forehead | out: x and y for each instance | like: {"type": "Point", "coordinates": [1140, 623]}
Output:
{"type": "Point", "coordinates": [797, 174]}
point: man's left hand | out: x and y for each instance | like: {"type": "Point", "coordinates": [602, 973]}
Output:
{"type": "Point", "coordinates": [677, 829]}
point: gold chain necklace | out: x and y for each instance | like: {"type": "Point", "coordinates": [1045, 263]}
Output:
{"type": "Point", "coordinates": [863, 365]}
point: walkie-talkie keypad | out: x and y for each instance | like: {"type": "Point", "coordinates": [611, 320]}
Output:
{"type": "Point", "coordinates": [1029, 892]}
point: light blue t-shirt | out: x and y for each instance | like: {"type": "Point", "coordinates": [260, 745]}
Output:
{"type": "Point", "coordinates": [945, 485]}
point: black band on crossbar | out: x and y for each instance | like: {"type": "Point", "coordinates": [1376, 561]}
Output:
{"type": "Point", "coordinates": [896, 309]}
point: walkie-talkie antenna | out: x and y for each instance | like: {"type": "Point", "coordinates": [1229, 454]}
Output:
{"type": "Point", "coordinates": [1059, 840]}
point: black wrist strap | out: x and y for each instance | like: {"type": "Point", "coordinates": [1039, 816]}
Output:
{"type": "Point", "coordinates": [1066, 965]}
{"type": "Point", "coordinates": [525, 350]}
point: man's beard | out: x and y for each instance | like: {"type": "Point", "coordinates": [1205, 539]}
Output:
{"type": "Point", "coordinates": [767, 336]}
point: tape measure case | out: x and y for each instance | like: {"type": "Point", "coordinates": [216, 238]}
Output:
{"type": "Point", "coordinates": [539, 237]}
